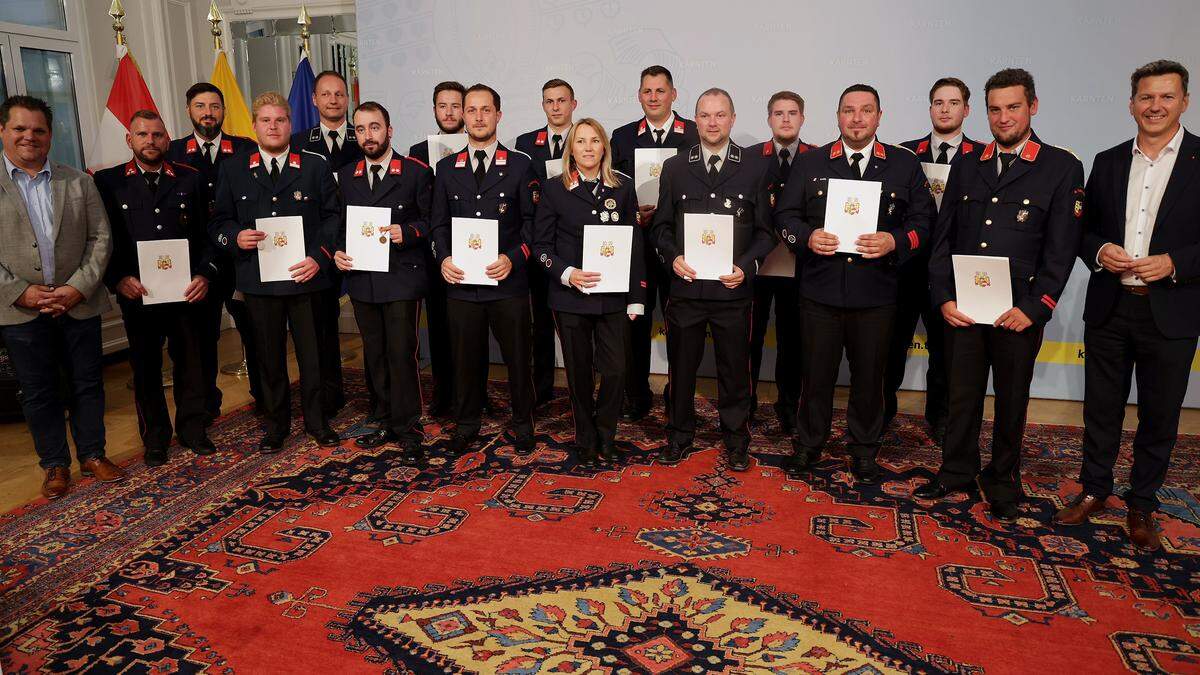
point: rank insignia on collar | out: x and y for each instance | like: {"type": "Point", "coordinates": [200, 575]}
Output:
{"type": "Point", "coordinates": [191, 146]}
{"type": "Point", "coordinates": [298, 195]}
{"type": "Point", "coordinates": [541, 138]}
{"type": "Point", "coordinates": [294, 160]}
{"type": "Point", "coordinates": [394, 167]}
{"type": "Point", "coordinates": [678, 127]}
{"type": "Point", "coordinates": [501, 158]}
{"type": "Point", "coordinates": [1023, 214]}
{"type": "Point", "coordinates": [226, 146]}
{"type": "Point", "coordinates": [610, 203]}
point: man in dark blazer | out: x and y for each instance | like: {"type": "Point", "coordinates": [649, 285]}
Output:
{"type": "Point", "coordinates": [387, 305]}
{"type": "Point", "coordinates": [447, 113]}
{"type": "Point", "coordinates": [542, 145]}
{"type": "Point", "coordinates": [1141, 242]}
{"type": "Point", "coordinates": [848, 300]}
{"type": "Point", "coordinates": [204, 150]}
{"type": "Point", "coordinates": [487, 180]}
{"type": "Point", "coordinates": [332, 138]}
{"type": "Point", "coordinates": [949, 106]}
{"type": "Point", "coordinates": [276, 180]}
{"type": "Point", "coordinates": [149, 199]}
{"type": "Point", "coordinates": [660, 127]}
{"type": "Point", "coordinates": [714, 177]}
{"type": "Point", "coordinates": [1021, 200]}
{"type": "Point", "coordinates": [785, 117]}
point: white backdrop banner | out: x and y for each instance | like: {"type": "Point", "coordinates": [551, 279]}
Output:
{"type": "Point", "coordinates": [1080, 53]}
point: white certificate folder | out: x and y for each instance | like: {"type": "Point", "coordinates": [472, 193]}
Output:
{"type": "Point", "coordinates": [852, 210]}
{"type": "Point", "coordinates": [607, 249]}
{"type": "Point", "coordinates": [647, 167]}
{"type": "Point", "coordinates": [708, 244]}
{"type": "Point", "coordinates": [983, 286]}
{"type": "Point", "coordinates": [165, 269]}
{"type": "Point", "coordinates": [283, 247]}
{"type": "Point", "coordinates": [937, 175]}
{"type": "Point", "coordinates": [368, 237]}
{"type": "Point", "coordinates": [475, 244]}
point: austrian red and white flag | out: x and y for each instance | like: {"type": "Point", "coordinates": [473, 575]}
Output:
{"type": "Point", "coordinates": [129, 94]}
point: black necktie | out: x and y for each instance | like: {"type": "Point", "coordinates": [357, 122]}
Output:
{"type": "Point", "coordinates": [376, 170]}
{"type": "Point", "coordinates": [712, 167]}
{"type": "Point", "coordinates": [274, 169]}
{"type": "Point", "coordinates": [556, 150]}
{"type": "Point", "coordinates": [785, 161]}
{"type": "Point", "coordinates": [658, 136]}
{"type": "Point", "coordinates": [480, 166]}
{"type": "Point", "coordinates": [855, 163]}
{"type": "Point", "coordinates": [151, 180]}
{"type": "Point", "coordinates": [1006, 160]}
{"type": "Point", "coordinates": [942, 158]}
{"type": "Point", "coordinates": [208, 146]}
{"type": "Point", "coordinates": [333, 136]}
{"type": "Point", "coordinates": [591, 185]}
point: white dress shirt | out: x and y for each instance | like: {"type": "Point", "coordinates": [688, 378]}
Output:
{"type": "Point", "coordinates": [665, 128]}
{"type": "Point", "coordinates": [216, 145]}
{"type": "Point", "coordinates": [383, 161]}
{"type": "Point", "coordinates": [341, 135]}
{"type": "Point", "coordinates": [1147, 182]}
{"type": "Point", "coordinates": [267, 157]}
{"type": "Point", "coordinates": [706, 154]}
{"type": "Point", "coordinates": [867, 150]}
{"type": "Point", "coordinates": [779, 148]}
{"type": "Point", "coordinates": [935, 145]}
{"type": "Point", "coordinates": [490, 150]}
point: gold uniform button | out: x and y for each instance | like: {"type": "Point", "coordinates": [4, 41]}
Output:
{"type": "Point", "coordinates": [820, 192]}
{"type": "Point", "coordinates": [712, 195]}
{"type": "Point", "coordinates": [893, 195]}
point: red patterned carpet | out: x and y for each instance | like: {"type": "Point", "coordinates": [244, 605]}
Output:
{"type": "Point", "coordinates": [343, 560]}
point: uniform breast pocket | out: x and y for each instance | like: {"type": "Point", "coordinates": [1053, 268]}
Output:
{"type": "Point", "coordinates": [893, 201]}
{"type": "Point", "coordinates": [1026, 212]}
{"type": "Point", "coordinates": [691, 204]}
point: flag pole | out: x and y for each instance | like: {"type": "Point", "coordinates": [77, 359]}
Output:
{"type": "Point", "coordinates": [215, 18]}
{"type": "Point", "coordinates": [117, 12]}
{"type": "Point", "coordinates": [305, 21]}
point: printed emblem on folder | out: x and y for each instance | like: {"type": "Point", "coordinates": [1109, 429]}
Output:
{"type": "Point", "coordinates": [852, 207]}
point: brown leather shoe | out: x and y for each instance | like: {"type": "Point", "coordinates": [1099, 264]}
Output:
{"type": "Point", "coordinates": [1080, 510]}
{"type": "Point", "coordinates": [57, 482]}
{"type": "Point", "coordinates": [104, 470]}
{"type": "Point", "coordinates": [1142, 531]}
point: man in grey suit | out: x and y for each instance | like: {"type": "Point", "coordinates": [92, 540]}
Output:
{"type": "Point", "coordinates": [56, 246]}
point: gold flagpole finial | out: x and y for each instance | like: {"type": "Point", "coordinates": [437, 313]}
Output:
{"type": "Point", "coordinates": [305, 21]}
{"type": "Point", "coordinates": [117, 12]}
{"type": "Point", "coordinates": [215, 18]}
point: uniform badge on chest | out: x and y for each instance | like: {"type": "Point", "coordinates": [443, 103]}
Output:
{"type": "Point", "coordinates": [1022, 215]}
{"type": "Point", "coordinates": [298, 195]}
{"type": "Point", "coordinates": [891, 209]}
{"type": "Point", "coordinates": [502, 208]}
{"type": "Point", "coordinates": [604, 216]}
{"type": "Point", "coordinates": [728, 203]}
{"type": "Point", "coordinates": [610, 203]}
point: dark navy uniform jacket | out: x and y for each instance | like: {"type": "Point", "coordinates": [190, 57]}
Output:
{"type": "Point", "coordinates": [538, 144]}
{"type": "Point", "coordinates": [188, 151]}
{"type": "Point", "coordinates": [1031, 216]}
{"type": "Point", "coordinates": [774, 176]}
{"type": "Point", "coordinates": [508, 194]}
{"type": "Point", "coordinates": [739, 190]}
{"type": "Point", "coordinates": [178, 209]}
{"type": "Point", "coordinates": [562, 214]}
{"type": "Point", "coordinates": [245, 193]}
{"type": "Point", "coordinates": [926, 153]}
{"type": "Point", "coordinates": [628, 138]}
{"type": "Point", "coordinates": [312, 141]}
{"type": "Point", "coordinates": [406, 188]}
{"type": "Point", "coordinates": [906, 211]}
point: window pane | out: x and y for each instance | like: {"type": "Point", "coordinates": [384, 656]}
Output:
{"type": "Point", "coordinates": [48, 77]}
{"type": "Point", "coordinates": [40, 13]}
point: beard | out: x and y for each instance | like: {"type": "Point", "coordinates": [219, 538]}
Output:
{"type": "Point", "coordinates": [150, 156]}
{"type": "Point", "coordinates": [458, 126]}
{"type": "Point", "coordinates": [379, 151]}
{"type": "Point", "coordinates": [1010, 139]}
{"type": "Point", "coordinates": [206, 130]}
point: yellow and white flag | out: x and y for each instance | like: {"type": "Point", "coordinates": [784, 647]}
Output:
{"type": "Point", "coordinates": [237, 115]}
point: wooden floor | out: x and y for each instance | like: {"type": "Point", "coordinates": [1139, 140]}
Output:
{"type": "Point", "coordinates": [20, 477]}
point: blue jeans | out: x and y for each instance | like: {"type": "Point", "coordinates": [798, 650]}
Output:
{"type": "Point", "coordinates": [42, 351]}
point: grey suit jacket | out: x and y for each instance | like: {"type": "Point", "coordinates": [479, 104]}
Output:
{"type": "Point", "coordinates": [82, 244]}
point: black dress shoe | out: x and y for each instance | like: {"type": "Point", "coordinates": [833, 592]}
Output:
{"type": "Point", "coordinates": [460, 444]}
{"type": "Point", "coordinates": [155, 456]}
{"type": "Point", "coordinates": [672, 452]}
{"type": "Point", "coordinates": [524, 445]}
{"type": "Point", "coordinates": [801, 461]}
{"type": "Point", "coordinates": [865, 470]}
{"type": "Point", "coordinates": [326, 438]}
{"type": "Point", "coordinates": [934, 489]}
{"type": "Point", "coordinates": [413, 454]}
{"type": "Point", "coordinates": [587, 457]}
{"type": "Point", "coordinates": [609, 452]}
{"type": "Point", "coordinates": [376, 439]}
{"type": "Point", "coordinates": [634, 412]}
{"type": "Point", "coordinates": [1004, 511]}
{"type": "Point", "coordinates": [271, 444]}
{"type": "Point", "coordinates": [739, 459]}
{"type": "Point", "coordinates": [201, 446]}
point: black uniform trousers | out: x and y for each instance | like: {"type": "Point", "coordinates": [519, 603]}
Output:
{"type": "Point", "coordinates": [220, 294]}
{"type": "Point", "coordinates": [1129, 337]}
{"type": "Point", "coordinates": [146, 328]}
{"type": "Point", "coordinates": [327, 312]}
{"type": "Point", "coordinates": [509, 321]}
{"type": "Point", "coordinates": [594, 345]}
{"type": "Point", "coordinates": [784, 293]}
{"type": "Point", "coordinates": [1010, 356]}
{"type": "Point", "coordinates": [909, 308]}
{"type": "Point", "coordinates": [389, 344]}
{"type": "Point", "coordinates": [687, 324]}
{"type": "Point", "coordinates": [641, 337]}
{"type": "Point", "coordinates": [543, 333]}
{"type": "Point", "coordinates": [272, 316]}
{"type": "Point", "coordinates": [441, 365]}
{"type": "Point", "coordinates": [863, 333]}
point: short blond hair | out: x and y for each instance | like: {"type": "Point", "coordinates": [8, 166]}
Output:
{"type": "Point", "coordinates": [272, 98]}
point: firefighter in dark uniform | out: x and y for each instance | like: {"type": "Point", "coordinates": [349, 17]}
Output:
{"type": "Point", "coordinates": [447, 112]}
{"type": "Point", "coordinates": [785, 116]}
{"type": "Point", "coordinates": [949, 105]}
{"type": "Point", "coordinates": [711, 178]}
{"type": "Point", "coordinates": [558, 102]}
{"type": "Point", "coordinates": [849, 299]}
{"type": "Point", "coordinates": [333, 138]}
{"type": "Point", "coordinates": [1023, 200]}
{"type": "Point", "coordinates": [487, 180]}
{"type": "Point", "coordinates": [204, 150]}
{"type": "Point", "coordinates": [387, 305]}
{"type": "Point", "coordinates": [149, 199]}
{"type": "Point", "coordinates": [660, 127]}
{"type": "Point", "coordinates": [593, 327]}
{"type": "Point", "coordinates": [275, 180]}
